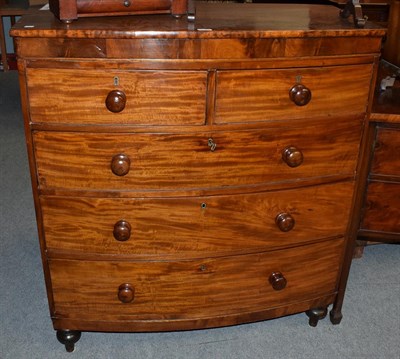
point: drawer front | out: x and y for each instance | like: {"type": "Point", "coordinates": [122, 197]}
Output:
{"type": "Point", "coordinates": [382, 209]}
{"type": "Point", "coordinates": [82, 97]}
{"type": "Point", "coordinates": [260, 95]}
{"type": "Point", "coordinates": [174, 290]}
{"type": "Point", "coordinates": [187, 161]}
{"type": "Point", "coordinates": [386, 154]}
{"type": "Point", "coordinates": [196, 226]}
{"type": "Point", "coordinates": [116, 6]}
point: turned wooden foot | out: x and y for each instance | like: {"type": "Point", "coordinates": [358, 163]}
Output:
{"type": "Point", "coordinates": [315, 315]}
{"type": "Point", "coordinates": [335, 316]}
{"type": "Point", "coordinates": [68, 338]}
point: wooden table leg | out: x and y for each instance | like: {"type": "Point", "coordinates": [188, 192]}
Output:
{"type": "Point", "coordinates": [3, 46]}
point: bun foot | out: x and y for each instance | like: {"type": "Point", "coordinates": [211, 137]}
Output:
{"type": "Point", "coordinates": [68, 338]}
{"type": "Point", "coordinates": [335, 316]}
{"type": "Point", "coordinates": [315, 315]}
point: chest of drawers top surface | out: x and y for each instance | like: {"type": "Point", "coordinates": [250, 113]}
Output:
{"type": "Point", "coordinates": [213, 20]}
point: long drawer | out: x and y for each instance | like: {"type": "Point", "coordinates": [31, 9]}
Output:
{"type": "Point", "coordinates": [196, 226]}
{"type": "Point", "coordinates": [139, 162]}
{"type": "Point", "coordinates": [174, 290]}
{"type": "Point", "coordinates": [382, 208]}
{"type": "Point", "coordinates": [257, 95]}
{"type": "Point", "coordinates": [138, 97]}
{"type": "Point", "coordinates": [386, 159]}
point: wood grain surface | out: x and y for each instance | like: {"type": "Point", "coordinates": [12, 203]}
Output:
{"type": "Point", "coordinates": [195, 227]}
{"type": "Point", "coordinates": [81, 161]}
{"type": "Point", "coordinates": [382, 207]}
{"type": "Point", "coordinates": [386, 159]}
{"type": "Point", "coordinates": [179, 96]}
{"type": "Point", "coordinates": [247, 96]}
{"type": "Point", "coordinates": [175, 290]}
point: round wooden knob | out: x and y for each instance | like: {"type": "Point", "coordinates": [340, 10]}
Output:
{"type": "Point", "coordinates": [120, 164]}
{"type": "Point", "coordinates": [300, 95]}
{"type": "Point", "coordinates": [292, 156]}
{"type": "Point", "coordinates": [126, 293]}
{"type": "Point", "coordinates": [277, 280]}
{"type": "Point", "coordinates": [116, 101]}
{"type": "Point", "coordinates": [122, 231]}
{"type": "Point", "coordinates": [285, 222]}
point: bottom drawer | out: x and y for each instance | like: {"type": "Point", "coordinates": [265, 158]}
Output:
{"type": "Point", "coordinates": [382, 208]}
{"type": "Point", "coordinates": [168, 291]}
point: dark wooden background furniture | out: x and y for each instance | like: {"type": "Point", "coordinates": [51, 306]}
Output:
{"type": "Point", "coordinates": [196, 176]}
{"type": "Point", "coordinates": [392, 44]}
{"type": "Point", "coordinates": [13, 9]}
{"type": "Point", "coordinates": [69, 10]}
{"type": "Point", "coordinates": [381, 212]}
{"type": "Point", "coordinates": [10, 9]}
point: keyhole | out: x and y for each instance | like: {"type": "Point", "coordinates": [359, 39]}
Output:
{"type": "Point", "coordinates": [212, 144]}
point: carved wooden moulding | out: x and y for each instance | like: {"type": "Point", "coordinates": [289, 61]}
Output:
{"type": "Point", "coordinates": [69, 10]}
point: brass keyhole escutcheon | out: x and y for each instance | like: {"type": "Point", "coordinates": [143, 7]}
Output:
{"type": "Point", "coordinates": [212, 144]}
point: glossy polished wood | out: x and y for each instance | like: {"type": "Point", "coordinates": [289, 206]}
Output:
{"type": "Point", "coordinates": [69, 10]}
{"type": "Point", "coordinates": [179, 96]}
{"type": "Point", "coordinates": [187, 227]}
{"type": "Point", "coordinates": [292, 156]}
{"type": "Point", "coordinates": [285, 222]}
{"type": "Point", "coordinates": [168, 293]}
{"type": "Point", "coordinates": [68, 338]}
{"type": "Point", "coordinates": [116, 101]}
{"type": "Point", "coordinates": [277, 280]}
{"type": "Point", "coordinates": [315, 315]}
{"type": "Point", "coordinates": [300, 95]}
{"type": "Point", "coordinates": [240, 20]}
{"type": "Point", "coordinates": [126, 293]}
{"type": "Point", "coordinates": [386, 161]}
{"type": "Point", "coordinates": [381, 216]}
{"type": "Point", "coordinates": [120, 164]}
{"type": "Point", "coordinates": [184, 161]}
{"type": "Point", "coordinates": [122, 231]}
{"type": "Point", "coordinates": [211, 198]}
{"type": "Point", "coordinates": [382, 207]}
{"type": "Point", "coordinates": [248, 96]}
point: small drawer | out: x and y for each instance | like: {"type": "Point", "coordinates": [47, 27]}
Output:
{"type": "Point", "coordinates": [382, 208]}
{"type": "Point", "coordinates": [144, 162]}
{"type": "Point", "coordinates": [68, 10]}
{"type": "Point", "coordinates": [270, 95]}
{"type": "Point", "coordinates": [117, 97]}
{"type": "Point", "coordinates": [196, 226]}
{"type": "Point", "coordinates": [168, 291]}
{"type": "Point", "coordinates": [112, 7]}
{"type": "Point", "coordinates": [386, 159]}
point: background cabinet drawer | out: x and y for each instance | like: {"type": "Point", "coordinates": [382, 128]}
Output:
{"type": "Point", "coordinates": [260, 95]}
{"type": "Point", "coordinates": [176, 290]}
{"type": "Point", "coordinates": [196, 226]}
{"type": "Point", "coordinates": [386, 159]}
{"type": "Point", "coordinates": [81, 161]}
{"type": "Point", "coordinates": [382, 208]}
{"type": "Point", "coordinates": [151, 97]}
{"type": "Point", "coordinates": [105, 7]}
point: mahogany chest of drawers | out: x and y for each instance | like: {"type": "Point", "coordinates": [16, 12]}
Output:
{"type": "Point", "coordinates": [195, 176]}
